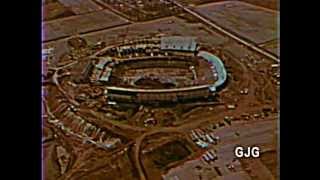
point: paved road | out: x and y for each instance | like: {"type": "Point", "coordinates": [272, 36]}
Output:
{"type": "Point", "coordinates": [124, 129]}
{"type": "Point", "coordinates": [258, 133]}
{"type": "Point", "coordinates": [55, 80]}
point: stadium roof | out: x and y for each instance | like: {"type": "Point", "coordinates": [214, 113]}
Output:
{"type": "Point", "coordinates": [102, 62]}
{"type": "Point", "coordinates": [180, 43]}
{"type": "Point", "coordinates": [218, 64]}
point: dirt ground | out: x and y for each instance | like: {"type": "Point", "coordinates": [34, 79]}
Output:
{"type": "Point", "coordinates": [250, 22]}
{"type": "Point", "coordinates": [251, 87]}
{"type": "Point", "coordinates": [156, 162]}
{"type": "Point", "coordinates": [269, 159]}
{"type": "Point", "coordinates": [54, 9]}
{"type": "Point", "coordinates": [270, 4]}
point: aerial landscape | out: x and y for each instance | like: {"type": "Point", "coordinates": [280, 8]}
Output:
{"type": "Point", "coordinates": [160, 89]}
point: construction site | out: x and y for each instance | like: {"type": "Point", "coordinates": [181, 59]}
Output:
{"type": "Point", "coordinates": [159, 90]}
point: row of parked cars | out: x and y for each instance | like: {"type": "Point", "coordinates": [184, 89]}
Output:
{"type": "Point", "coordinates": [203, 138]}
{"type": "Point", "coordinates": [209, 156]}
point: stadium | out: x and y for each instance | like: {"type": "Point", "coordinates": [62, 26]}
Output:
{"type": "Point", "coordinates": [164, 69]}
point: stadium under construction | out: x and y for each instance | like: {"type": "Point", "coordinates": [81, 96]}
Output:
{"type": "Point", "coordinates": [155, 70]}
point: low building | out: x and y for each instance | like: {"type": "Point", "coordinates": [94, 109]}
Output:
{"type": "Point", "coordinates": [179, 44]}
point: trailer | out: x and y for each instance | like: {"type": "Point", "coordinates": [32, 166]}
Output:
{"type": "Point", "coordinates": [199, 134]}
{"type": "Point", "coordinates": [202, 144]}
{"type": "Point", "coordinates": [209, 139]}
{"type": "Point", "coordinates": [213, 154]}
{"type": "Point", "coordinates": [206, 158]}
{"type": "Point", "coordinates": [192, 137]}
{"type": "Point", "coordinates": [214, 137]}
{"type": "Point", "coordinates": [195, 135]}
{"type": "Point", "coordinates": [211, 157]}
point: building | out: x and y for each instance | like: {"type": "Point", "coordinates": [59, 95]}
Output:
{"type": "Point", "coordinates": [219, 69]}
{"type": "Point", "coordinates": [179, 52]}
{"type": "Point", "coordinates": [185, 45]}
{"type": "Point", "coordinates": [157, 95]}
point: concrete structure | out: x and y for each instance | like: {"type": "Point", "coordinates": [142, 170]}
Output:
{"type": "Point", "coordinates": [178, 43]}
{"type": "Point", "coordinates": [160, 95]}
{"type": "Point", "coordinates": [174, 94]}
{"type": "Point", "coordinates": [180, 47]}
{"type": "Point", "coordinates": [219, 67]}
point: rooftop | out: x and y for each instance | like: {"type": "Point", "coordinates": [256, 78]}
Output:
{"type": "Point", "coordinates": [178, 43]}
